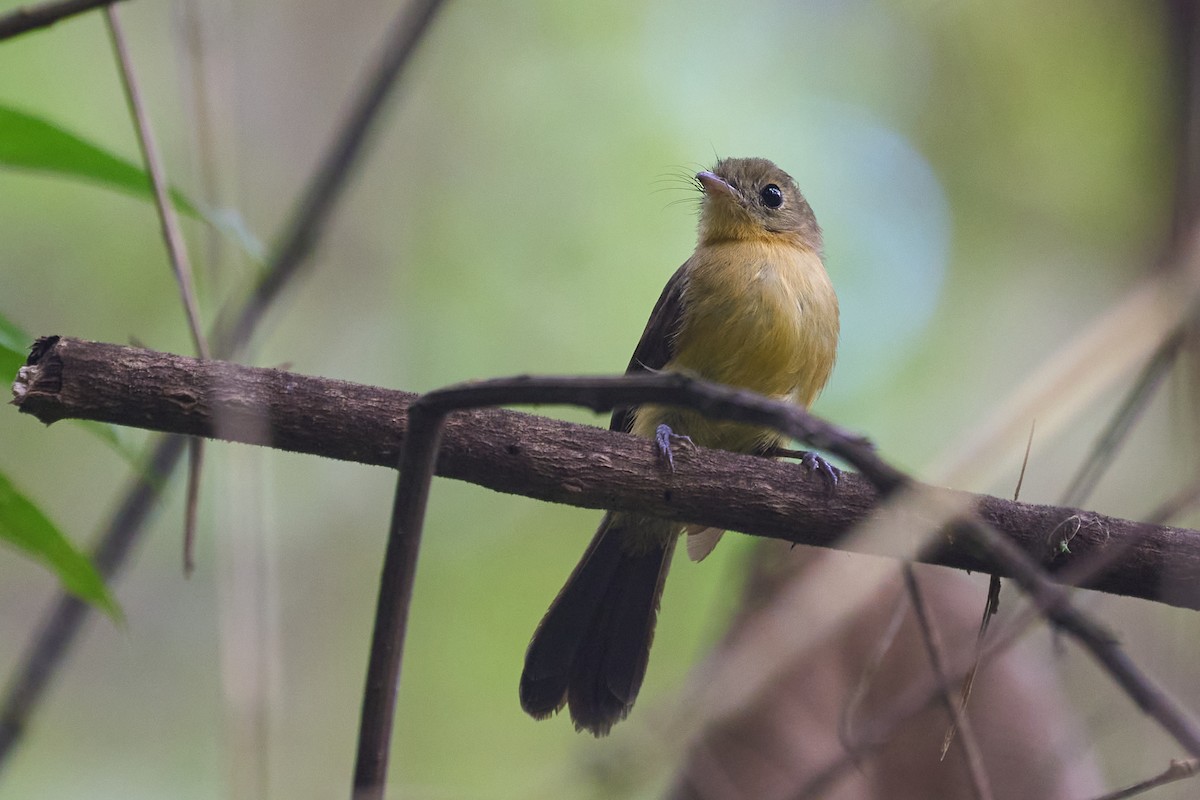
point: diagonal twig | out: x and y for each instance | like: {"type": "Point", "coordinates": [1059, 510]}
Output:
{"type": "Point", "coordinates": [177, 255]}
{"type": "Point", "coordinates": [168, 219]}
{"type": "Point", "coordinates": [846, 732]}
{"type": "Point", "coordinates": [43, 15]}
{"type": "Point", "coordinates": [1177, 770]}
{"type": "Point", "coordinates": [1102, 454]}
{"type": "Point", "coordinates": [61, 624]}
{"type": "Point", "coordinates": [956, 711]}
{"type": "Point", "coordinates": [912, 702]}
{"type": "Point", "coordinates": [309, 216]}
{"type": "Point", "coordinates": [990, 608]}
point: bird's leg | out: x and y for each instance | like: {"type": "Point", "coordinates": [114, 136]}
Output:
{"type": "Point", "coordinates": [663, 438]}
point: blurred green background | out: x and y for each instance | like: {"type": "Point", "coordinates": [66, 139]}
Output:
{"type": "Point", "coordinates": [988, 180]}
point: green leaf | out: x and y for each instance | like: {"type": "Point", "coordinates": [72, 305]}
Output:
{"type": "Point", "coordinates": [32, 143]}
{"type": "Point", "coordinates": [14, 344]}
{"type": "Point", "coordinates": [24, 525]}
{"type": "Point", "coordinates": [29, 142]}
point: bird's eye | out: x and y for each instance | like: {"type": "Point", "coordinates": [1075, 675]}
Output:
{"type": "Point", "coordinates": [771, 196]}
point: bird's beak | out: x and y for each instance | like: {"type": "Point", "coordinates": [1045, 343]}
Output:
{"type": "Point", "coordinates": [714, 185]}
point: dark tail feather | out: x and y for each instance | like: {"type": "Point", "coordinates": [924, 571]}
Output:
{"type": "Point", "coordinates": [590, 650]}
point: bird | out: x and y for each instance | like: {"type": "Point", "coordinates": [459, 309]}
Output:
{"type": "Point", "coordinates": [754, 308]}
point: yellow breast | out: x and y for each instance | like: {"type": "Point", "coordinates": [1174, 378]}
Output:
{"type": "Point", "coordinates": [757, 314]}
{"type": "Point", "coordinates": [761, 315]}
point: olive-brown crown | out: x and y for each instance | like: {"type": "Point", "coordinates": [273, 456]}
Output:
{"type": "Point", "coordinates": [751, 198]}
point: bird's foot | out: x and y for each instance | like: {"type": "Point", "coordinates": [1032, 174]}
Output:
{"type": "Point", "coordinates": [664, 437]}
{"type": "Point", "coordinates": [815, 463]}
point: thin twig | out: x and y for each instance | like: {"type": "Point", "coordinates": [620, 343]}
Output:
{"type": "Point", "coordinates": [310, 215]}
{"type": "Point", "coordinates": [1103, 452]}
{"type": "Point", "coordinates": [1024, 461]}
{"type": "Point", "coordinates": [172, 233]}
{"type": "Point", "coordinates": [847, 718]}
{"type": "Point", "coordinates": [1085, 570]}
{"type": "Point", "coordinates": [990, 608]}
{"type": "Point", "coordinates": [1183, 500]}
{"type": "Point", "coordinates": [956, 711]}
{"type": "Point", "coordinates": [213, 157]}
{"type": "Point", "coordinates": [1053, 601]}
{"type": "Point", "coordinates": [31, 18]}
{"type": "Point", "coordinates": [908, 705]}
{"type": "Point", "coordinates": [1183, 64]}
{"type": "Point", "coordinates": [177, 255]}
{"type": "Point", "coordinates": [1177, 771]}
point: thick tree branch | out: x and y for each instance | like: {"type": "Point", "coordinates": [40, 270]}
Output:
{"type": "Point", "coordinates": [561, 462]}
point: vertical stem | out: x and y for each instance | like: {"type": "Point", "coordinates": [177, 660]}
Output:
{"type": "Point", "coordinates": [417, 461]}
{"type": "Point", "coordinates": [172, 234]}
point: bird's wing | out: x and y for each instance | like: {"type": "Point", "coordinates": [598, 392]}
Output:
{"type": "Point", "coordinates": [656, 347]}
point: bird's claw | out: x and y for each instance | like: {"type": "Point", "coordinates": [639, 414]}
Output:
{"type": "Point", "coordinates": [815, 463]}
{"type": "Point", "coordinates": [663, 437]}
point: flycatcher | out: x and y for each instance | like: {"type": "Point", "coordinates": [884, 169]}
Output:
{"type": "Point", "coordinates": [753, 308]}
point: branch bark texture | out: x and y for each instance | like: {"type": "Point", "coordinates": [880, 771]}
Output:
{"type": "Point", "coordinates": [567, 463]}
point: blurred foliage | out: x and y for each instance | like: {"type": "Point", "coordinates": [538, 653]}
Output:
{"type": "Point", "coordinates": [22, 522]}
{"type": "Point", "coordinates": [24, 526]}
{"type": "Point", "coordinates": [36, 144]}
{"type": "Point", "coordinates": [988, 181]}
{"type": "Point", "coordinates": [13, 344]}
